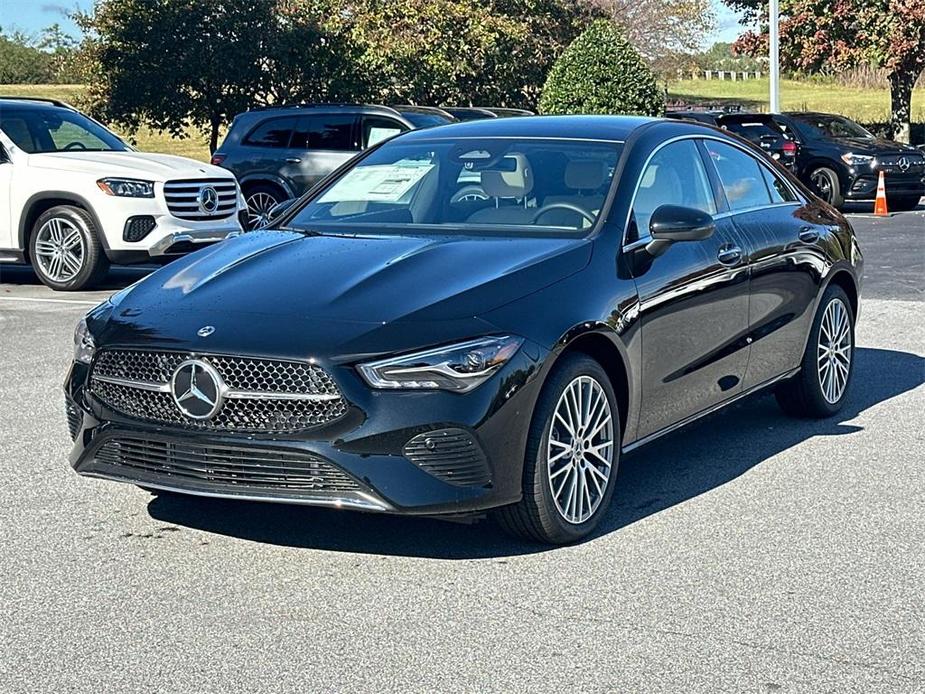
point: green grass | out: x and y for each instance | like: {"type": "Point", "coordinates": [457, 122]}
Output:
{"type": "Point", "coordinates": [865, 105]}
{"type": "Point", "coordinates": [195, 146]}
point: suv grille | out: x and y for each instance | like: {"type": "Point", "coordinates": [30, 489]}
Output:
{"type": "Point", "coordinates": [262, 395]}
{"type": "Point", "coordinates": [183, 198]}
{"type": "Point", "coordinates": [226, 466]}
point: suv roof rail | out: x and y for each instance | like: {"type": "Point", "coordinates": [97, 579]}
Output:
{"type": "Point", "coordinates": [40, 99]}
{"type": "Point", "coordinates": [279, 107]}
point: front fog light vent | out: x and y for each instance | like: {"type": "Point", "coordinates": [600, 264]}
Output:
{"type": "Point", "coordinates": [451, 455]}
{"type": "Point", "coordinates": [136, 228]}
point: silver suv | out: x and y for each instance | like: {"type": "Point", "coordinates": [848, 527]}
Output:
{"type": "Point", "coordinates": [280, 152]}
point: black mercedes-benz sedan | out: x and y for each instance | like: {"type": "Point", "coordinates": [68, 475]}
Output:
{"type": "Point", "coordinates": [477, 317]}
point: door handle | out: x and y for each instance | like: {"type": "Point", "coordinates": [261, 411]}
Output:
{"type": "Point", "coordinates": [809, 235]}
{"type": "Point", "coordinates": [293, 160]}
{"type": "Point", "coordinates": [729, 255]}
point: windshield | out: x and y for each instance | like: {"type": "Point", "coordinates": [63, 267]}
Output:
{"type": "Point", "coordinates": [43, 130]}
{"type": "Point", "coordinates": [469, 186]}
{"type": "Point", "coordinates": [832, 126]}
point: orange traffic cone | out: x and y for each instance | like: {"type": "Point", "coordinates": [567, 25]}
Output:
{"type": "Point", "coordinates": [880, 205]}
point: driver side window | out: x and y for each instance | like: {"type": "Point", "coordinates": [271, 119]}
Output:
{"type": "Point", "coordinates": [674, 176]}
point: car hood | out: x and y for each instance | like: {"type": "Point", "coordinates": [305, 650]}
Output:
{"type": "Point", "coordinates": [151, 167]}
{"type": "Point", "coordinates": [325, 291]}
{"type": "Point", "coordinates": [878, 145]}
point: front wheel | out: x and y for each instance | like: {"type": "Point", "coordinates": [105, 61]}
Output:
{"type": "Point", "coordinates": [573, 450]}
{"type": "Point", "coordinates": [65, 249]}
{"type": "Point", "coordinates": [827, 185]}
{"type": "Point", "coordinates": [820, 388]}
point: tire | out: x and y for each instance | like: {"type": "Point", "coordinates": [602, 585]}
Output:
{"type": "Point", "coordinates": [539, 516]}
{"type": "Point", "coordinates": [826, 183]}
{"type": "Point", "coordinates": [260, 199]}
{"type": "Point", "coordinates": [903, 203]}
{"type": "Point", "coordinates": [806, 395]}
{"type": "Point", "coordinates": [65, 249]}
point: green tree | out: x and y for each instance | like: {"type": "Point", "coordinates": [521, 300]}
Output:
{"type": "Point", "coordinates": [21, 62]}
{"type": "Point", "coordinates": [174, 64]}
{"type": "Point", "coordinates": [602, 73]}
{"type": "Point", "coordinates": [829, 35]}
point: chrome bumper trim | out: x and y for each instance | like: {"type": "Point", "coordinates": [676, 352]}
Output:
{"type": "Point", "coordinates": [163, 246]}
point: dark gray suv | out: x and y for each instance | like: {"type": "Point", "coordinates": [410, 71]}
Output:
{"type": "Point", "coordinates": [278, 153]}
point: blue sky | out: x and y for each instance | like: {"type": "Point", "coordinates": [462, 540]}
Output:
{"type": "Point", "coordinates": [31, 16]}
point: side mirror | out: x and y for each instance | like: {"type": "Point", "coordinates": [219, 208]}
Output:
{"type": "Point", "coordinates": [278, 210]}
{"type": "Point", "coordinates": [672, 223]}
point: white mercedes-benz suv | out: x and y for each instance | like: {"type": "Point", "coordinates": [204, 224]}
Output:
{"type": "Point", "coordinates": [75, 198]}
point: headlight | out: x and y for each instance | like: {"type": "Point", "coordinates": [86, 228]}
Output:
{"type": "Point", "coordinates": [459, 367]}
{"type": "Point", "coordinates": [84, 346]}
{"type": "Point", "coordinates": [852, 159]}
{"type": "Point", "coordinates": [126, 187]}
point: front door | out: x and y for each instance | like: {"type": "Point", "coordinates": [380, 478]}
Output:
{"type": "Point", "coordinates": [693, 299]}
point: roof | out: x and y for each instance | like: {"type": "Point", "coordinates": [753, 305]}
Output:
{"type": "Point", "coordinates": [10, 101]}
{"type": "Point", "coordinates": [613, 128]}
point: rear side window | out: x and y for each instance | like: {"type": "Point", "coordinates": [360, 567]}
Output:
{"type": "Point", "coordinates": [780, 191]}
{"type": "Point", "coordinates": [275, 133]}
{"type": "Point", "coordinates": [740, 175]}
{"type": "Point", "coordinates": [674, 176]}
{"type": "Point", "coordinates": [332, 132]}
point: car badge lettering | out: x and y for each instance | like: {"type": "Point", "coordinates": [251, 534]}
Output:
{"type": "Point", "coordinates": [197, 388]}
{"type": "Point", "coordinates": [208, 200]}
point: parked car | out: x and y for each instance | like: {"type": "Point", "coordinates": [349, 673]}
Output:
{"type": "Point", "coordinates": [278, 153]}
{"type": "Point", "coordinates": [842, 161]}
{"type": "Point", "coordinates": [467, 113]}
{"type": "Point", "coordinates": [759, 128]}
{"type": "Point", "coordinates": [74, 197]}
{"type": "Point", "coordinates": [389, 347]}
{"type": "Point", "coordinates": [425, 116]}
{"type": "Point", "coordinates": [510, 112]}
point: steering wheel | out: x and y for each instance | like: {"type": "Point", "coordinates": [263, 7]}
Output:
{"type": "Point", "coordinates": [563, 206]}
{"type": "Point", "coordinates": [71, 146]}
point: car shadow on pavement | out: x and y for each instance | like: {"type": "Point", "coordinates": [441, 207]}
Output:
{"type": "Point", "coordinates": [118, 277]}
{"type": "Point", "coordinates": [666, 473]}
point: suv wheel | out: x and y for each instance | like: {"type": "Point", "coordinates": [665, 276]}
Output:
{"type": "Point", "coordinates": [65, 249]}
{"type": "Point", "coordinates": [260, 200]}
{"type": "Point", "coordinates": [826, 183]}
{"type": "Point", "coordinates": [572, 454]}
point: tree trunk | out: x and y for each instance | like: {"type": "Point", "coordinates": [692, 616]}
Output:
{"type": "Point", "coordinates": [216, 124]}
{"type": "Point", "coordinates": [901, 83]}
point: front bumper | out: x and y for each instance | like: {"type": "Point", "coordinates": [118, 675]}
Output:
{"type": "Point", "coordinates": [180, 242]}
{"type": "Point", "coordinates": [362, 461]}
{"type": "Point", "coordinates": [864, 186]}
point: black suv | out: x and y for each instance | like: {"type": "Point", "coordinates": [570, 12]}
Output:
{"type": "Point", "coordinates": [278, 153]}
{"type": "Point", "coordinates": [842, 161]}
{"type": "Point", "coordinates": [758, 128]}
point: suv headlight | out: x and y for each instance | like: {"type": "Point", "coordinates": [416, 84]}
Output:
{"type": "Point", "coordinates": [852, 159]}
{"type": "Point", "coordinates": [126, 187]}
{"type": "Point", "coordinates": [84, 345]}
{"type": "Point", "coordinates": [460, 367]}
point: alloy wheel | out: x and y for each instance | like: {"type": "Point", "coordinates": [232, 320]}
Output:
{"type": "Point", "coordinates": [580, 449]}
{"type": "Point", "coordinates": [60, 249]}
{"type": "Point", "coordinates": [834, 351]}
{"type": "Point", "coordinates": [823, 184]}
{"type": "Point", "coordinates": [258, 209]}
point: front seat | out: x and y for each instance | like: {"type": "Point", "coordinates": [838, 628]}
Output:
{"type": "Point", "coordinates": [586, 177]}
{"type": "Point", "coordinates": [511, 186]}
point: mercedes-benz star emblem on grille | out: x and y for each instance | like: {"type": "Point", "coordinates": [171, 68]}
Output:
{"type": "Point", "coordinates": [197, 389]}
{"type": "Point", "coordinates": [903, 164]}
{"type": "Point", "coordinates": [205, 330]}
{"type": "Point", "coordinates": [208, 199]}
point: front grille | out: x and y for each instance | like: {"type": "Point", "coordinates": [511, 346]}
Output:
{"type": "Point", "coordinates": [451, 455]}
{"type": "Point", "coordinates": [264, 395]}
{"type": "Point", "coordinates": [183, 198]}
{"type": "Point", "coordinates": [183, 463]}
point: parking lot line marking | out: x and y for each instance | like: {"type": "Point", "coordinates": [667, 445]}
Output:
{"type": "Point", "coordinates": [50, 301]}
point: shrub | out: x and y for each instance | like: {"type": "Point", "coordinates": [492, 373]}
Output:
{"type": "Point", "coordinates": [601, 72]}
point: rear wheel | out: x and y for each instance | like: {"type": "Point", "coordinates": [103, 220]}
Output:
{"type": "Point", "coordinates": [260, 200]}
{"type": "Point", "coordinates": [903, 203]}
{"type": "Point", "coordinates": [572, 456]}
{"type": "Point", "coordinates": [819, 390]}
{"type": "Point", "coordinates": [827, 186]}
{"type": "Point", "coordinates": [65, 249]}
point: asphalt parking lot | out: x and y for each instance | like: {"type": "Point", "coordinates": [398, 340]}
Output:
{"type": "Point", "coordinates": [748, 553]}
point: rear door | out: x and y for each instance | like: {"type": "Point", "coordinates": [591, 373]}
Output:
{"type": "Point", "coordinates": [783, 232]}
{"type": "Point", "coordinates": [321, 143]}
{"type": "Point", "coordinates": [693, 299]}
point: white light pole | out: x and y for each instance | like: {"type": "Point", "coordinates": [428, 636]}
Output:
{"type": "Point", "coordinates": [775, 56]}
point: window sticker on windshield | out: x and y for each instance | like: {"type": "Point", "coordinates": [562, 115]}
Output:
{"type": "Point", "coordinates": [380, 183]}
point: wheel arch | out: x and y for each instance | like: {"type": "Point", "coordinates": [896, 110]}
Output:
{"type": "Point", "coordinates": [266, 180]}
{"type": "Point", "coordinates": [40, 203]}
{"type": "Point", "coordinates": [841, 277]}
